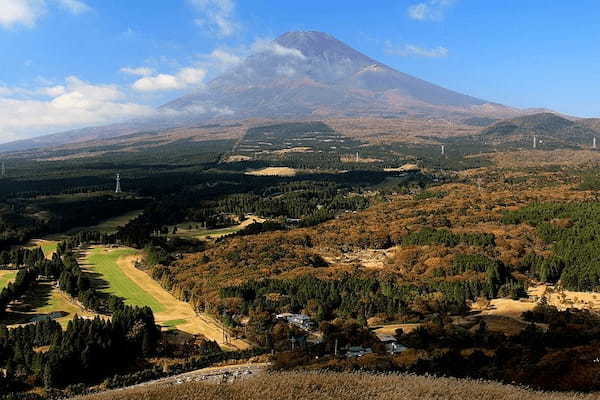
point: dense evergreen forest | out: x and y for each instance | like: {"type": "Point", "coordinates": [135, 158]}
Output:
{"type": "Point", "coordinates": [573, 230]}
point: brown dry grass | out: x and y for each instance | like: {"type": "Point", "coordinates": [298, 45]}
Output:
{"type": "Point", "coordinates": [338, 386]}
{"type": "Point", "coordinates": [540, 158]}
{"type": "Point", "coordinates": [273, 171]}
{"type": "Point", "coordinates": [385, 130]}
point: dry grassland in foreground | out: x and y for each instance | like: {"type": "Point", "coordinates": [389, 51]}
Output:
{"type": "Point", "coordinates": [339, 386]}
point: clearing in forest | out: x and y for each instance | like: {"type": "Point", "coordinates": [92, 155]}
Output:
{"type": "Point", "coordinates": [111, 278]}
{"type": "Point", "coordinates": [6, 277]}
{"type": "Point", "coordinates": [116, 267]}
{"type": "Point", "coordinates": [273, 171]}
{"type": "Point", "coordinates": [44, 301]}
{"type": "Point", "coordinates": [183, 229]}
{"type": "Point", "coordinates": [108, 226]}
{"type": "Point", "coordinates": [48, 246]}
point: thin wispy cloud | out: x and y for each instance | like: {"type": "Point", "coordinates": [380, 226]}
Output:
{"type": "Point", "coordinates": [216, 16]}
{"type": "Point", "coordinates": [26, 13]}
{"type": "Point", "coordinates": [140, 71]}
{"type": "Point", "coordinates": [411, 50]}
{"type": "Point", "coordinates": [74, 6]}
{"type": "Point", "coordinates": [431, 10]}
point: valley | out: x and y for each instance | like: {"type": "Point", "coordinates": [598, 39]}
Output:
{"type": "Point", "coordinates": [308, 222]}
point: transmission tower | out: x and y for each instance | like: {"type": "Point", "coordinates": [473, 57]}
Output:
{"type": "Point", "coordinates": [535, 142]}
{"type": "Point", "coordinates": [443, 150]}
{"type": "Point", "coordinates": [118, 189]}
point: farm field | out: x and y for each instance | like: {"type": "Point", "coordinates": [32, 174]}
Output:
{"type": "Point", "coordinates": [6, 277]}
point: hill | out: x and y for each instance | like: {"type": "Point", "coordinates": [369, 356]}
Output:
{"type": "Point", "coordinates": [321, 386]}
{"type": "Point", "coordinates": [552, 131]}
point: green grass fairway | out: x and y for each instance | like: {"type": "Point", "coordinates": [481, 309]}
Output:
{"type": "Point", "coordinates": [6, 277]}
{"type": "Point", "coordinates": [105, 264]}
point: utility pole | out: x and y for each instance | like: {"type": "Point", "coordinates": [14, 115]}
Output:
{"type": "Point", "coordinates": [357, 159]}
{"type": "Point", "coordinates": [534, 142]}
{"type": "Point", "coordinates": [443, 150]}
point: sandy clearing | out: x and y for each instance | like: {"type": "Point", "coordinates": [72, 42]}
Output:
{"type": "Point", "coordinates": [207, 326]}
{"type": "Point", "coordinates": [391, 329]}
{"type": "Point", "coordinates": [508, 308]}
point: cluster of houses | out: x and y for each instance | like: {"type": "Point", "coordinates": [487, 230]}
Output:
{"type": "Point", "coordinates": [304, 322]}
{"type": "Point", "coordinates": [390, 342]}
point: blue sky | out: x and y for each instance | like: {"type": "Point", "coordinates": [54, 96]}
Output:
{"type": "Point", "coordinates": [72, 63]}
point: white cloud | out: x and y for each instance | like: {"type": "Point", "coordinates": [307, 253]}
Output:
{"type": "Point", "coordinates": [216, 16]}
{"type": "Point", "coordinates": [431, 10]}
{"type": "Point", "coordinates": [185, 78]}
{"type": "Point", "coordinates": [411, 50]}
{"type": "Point", "coordinates": [74, 6]}
{"type": "Point", "coordinates": [263, 45]}
{"type": "Point", "coordinates": [20, 12]}
{"type": "Point", "coordinates": [26, 13]}
{"type": "Point", "coordinates": [140, 71]}
{"type": "Point", "coordinates": [75, 104]}
{"type": "Point", "coordinates": [53, 91]}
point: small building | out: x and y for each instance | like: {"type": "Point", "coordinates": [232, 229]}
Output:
{"type": "Point", "coordinates": [356, 351]}
{"type": "Point", "coordinates": [302, 321]}
{"type": "Point", "coordinates": [391, 344]}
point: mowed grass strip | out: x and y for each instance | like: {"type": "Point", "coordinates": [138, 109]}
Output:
{"type": "Point", "coordinates": [7, 277]}
{"type": "Point", "coordinates": [104, 263]}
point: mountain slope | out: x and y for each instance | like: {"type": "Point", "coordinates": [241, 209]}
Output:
{"type": "Point", "coordinates": [300, 75]}
{"type": "Point", "coordinates": [304, 74]}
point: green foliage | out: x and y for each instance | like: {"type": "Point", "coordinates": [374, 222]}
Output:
{"type": "Point", "coordinates": [429, 236]}
{"type": "Point", "coordinates": [573, 229]}
{"type": "Point", "coordinates": [430, 195]}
